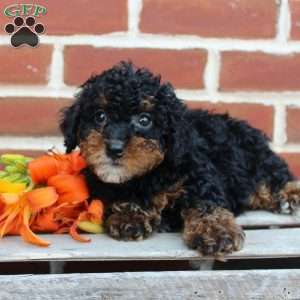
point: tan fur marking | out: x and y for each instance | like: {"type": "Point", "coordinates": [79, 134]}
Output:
{"type": "Point", "coordinates": [212, 234]}
{"type": "Point", "coordinates": [103, 100]}
{"type": "Point", "coordinates": [92, 148]}
{"type": "Point", "coordinates": [166, 198]}
{"type": "Point", "coordinates": [146, 104]}
{"type": "Point", "coordinates": [263, 199]}
{"type": "Point", "coordinates": [141, 156]}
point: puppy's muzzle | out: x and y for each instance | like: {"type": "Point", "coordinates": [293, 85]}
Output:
{"type": "Point", "coordinates": [116, 137]}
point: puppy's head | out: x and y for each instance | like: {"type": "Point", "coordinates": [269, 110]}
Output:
{"type": "Point", "coordinates": [125, 122]}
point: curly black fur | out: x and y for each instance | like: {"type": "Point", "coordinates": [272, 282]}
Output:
{"type": "Point", "coordinates": [220, 161]}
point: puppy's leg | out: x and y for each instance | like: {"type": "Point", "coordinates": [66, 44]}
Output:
{"type": "Point", "coordinates": [209, 225]}
{"type": "Point", "coordinates": [213, 232]}
{"type": "Point", "coordinates": [129, 221]}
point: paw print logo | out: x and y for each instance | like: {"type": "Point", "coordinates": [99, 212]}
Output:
{"type": "Point", "coordinates": [24, 33]}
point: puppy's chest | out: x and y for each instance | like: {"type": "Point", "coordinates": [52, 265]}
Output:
{"type": "Point", "coordinates": [146, 196]}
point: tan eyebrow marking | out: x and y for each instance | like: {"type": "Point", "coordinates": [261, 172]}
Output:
{"type": "Point", "coordinates": [103, 100]}
{"type": "Point", "coordinates": [147, 104]}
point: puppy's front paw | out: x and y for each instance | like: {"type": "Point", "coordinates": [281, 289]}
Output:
{"type": "Point", "coordinates": [129, 222]}
{"type": "Point", "coordinates": [214, 234]}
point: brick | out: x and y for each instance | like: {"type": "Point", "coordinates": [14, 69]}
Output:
{"type": "Point", "coordinates": [184, 69]}
{"type": "Point", "coordinates": [25, 65]}
{"type": "Point", "coordinates": [293, 125]}
{"type": "Point", "coordinates": [259, 71]}
{"type": "Point", "coordinates": [293, 160]}
{"type": "Point", "coordinates": [259, 116]}
{"type": "Point", "coordinates": [218, 18]}
{"type": "Point", "coordinates": [295, 18]}
{"type": "Point", "coordinates": [80, 16]}
{"type": "Point", "coordinates": [26, 116]}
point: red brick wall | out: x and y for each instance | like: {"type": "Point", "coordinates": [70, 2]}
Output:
{"type": "Point", "coordinates": [236, 56]}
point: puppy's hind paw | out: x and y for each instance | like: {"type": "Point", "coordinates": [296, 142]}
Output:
{"type": "Point", "coordinates": [289, 197]}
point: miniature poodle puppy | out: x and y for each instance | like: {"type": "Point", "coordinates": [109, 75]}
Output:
{"type": "Point", "coordinates": [159, 166]}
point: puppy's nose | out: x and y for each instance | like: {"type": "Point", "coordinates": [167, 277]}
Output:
{"type": "Point", "coordinates": [115, 148]}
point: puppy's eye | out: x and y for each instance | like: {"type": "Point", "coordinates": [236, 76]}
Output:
{"type": "Point", "coordinates": [100, 117]}
{"type": "Point", "coordinates": [144, 120]}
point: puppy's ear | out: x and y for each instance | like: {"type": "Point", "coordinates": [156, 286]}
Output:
{"type": "Point", "coordinates": [179, 141]}
{"type": "Point", "coordinates": [69, 125]}
{"type": "Point", "coordinates": [178, 130]}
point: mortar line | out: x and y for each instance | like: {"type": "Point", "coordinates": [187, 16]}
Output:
{"type": "Point", "coordinates": [284, 22]}
{"type": "Point", "coordinates": [212, 72]}
{"type": "Point", "coordinates": [134, 10]}
{"type": "Point", "coordinates": [279, 134]}
{"type": "Point", "coordinates": [56, 72]}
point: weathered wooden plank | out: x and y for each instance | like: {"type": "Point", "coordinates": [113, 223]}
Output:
{"type": "Point", "coordinates": [213, 285]}
{"type": "Point", "coordinates": [262, 218]}
{"type": "Point", "coordinates": [260, 243]}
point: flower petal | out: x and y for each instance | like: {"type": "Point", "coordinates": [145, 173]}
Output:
{"type": "Point", "coordinates": [42, 168]}
{"type": "Point", "coordinates": [41, 198]}
{"type": "Point", "coordinates": [96, 210]}
{"type": "Point", "coordinates": [74, 234]}
{"type": "Point", "coordinates": [71, 188]}
{"type": "Point", "coordinates": [11, 187]}
{"type": "Point", "coordinates": [26, 232]}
